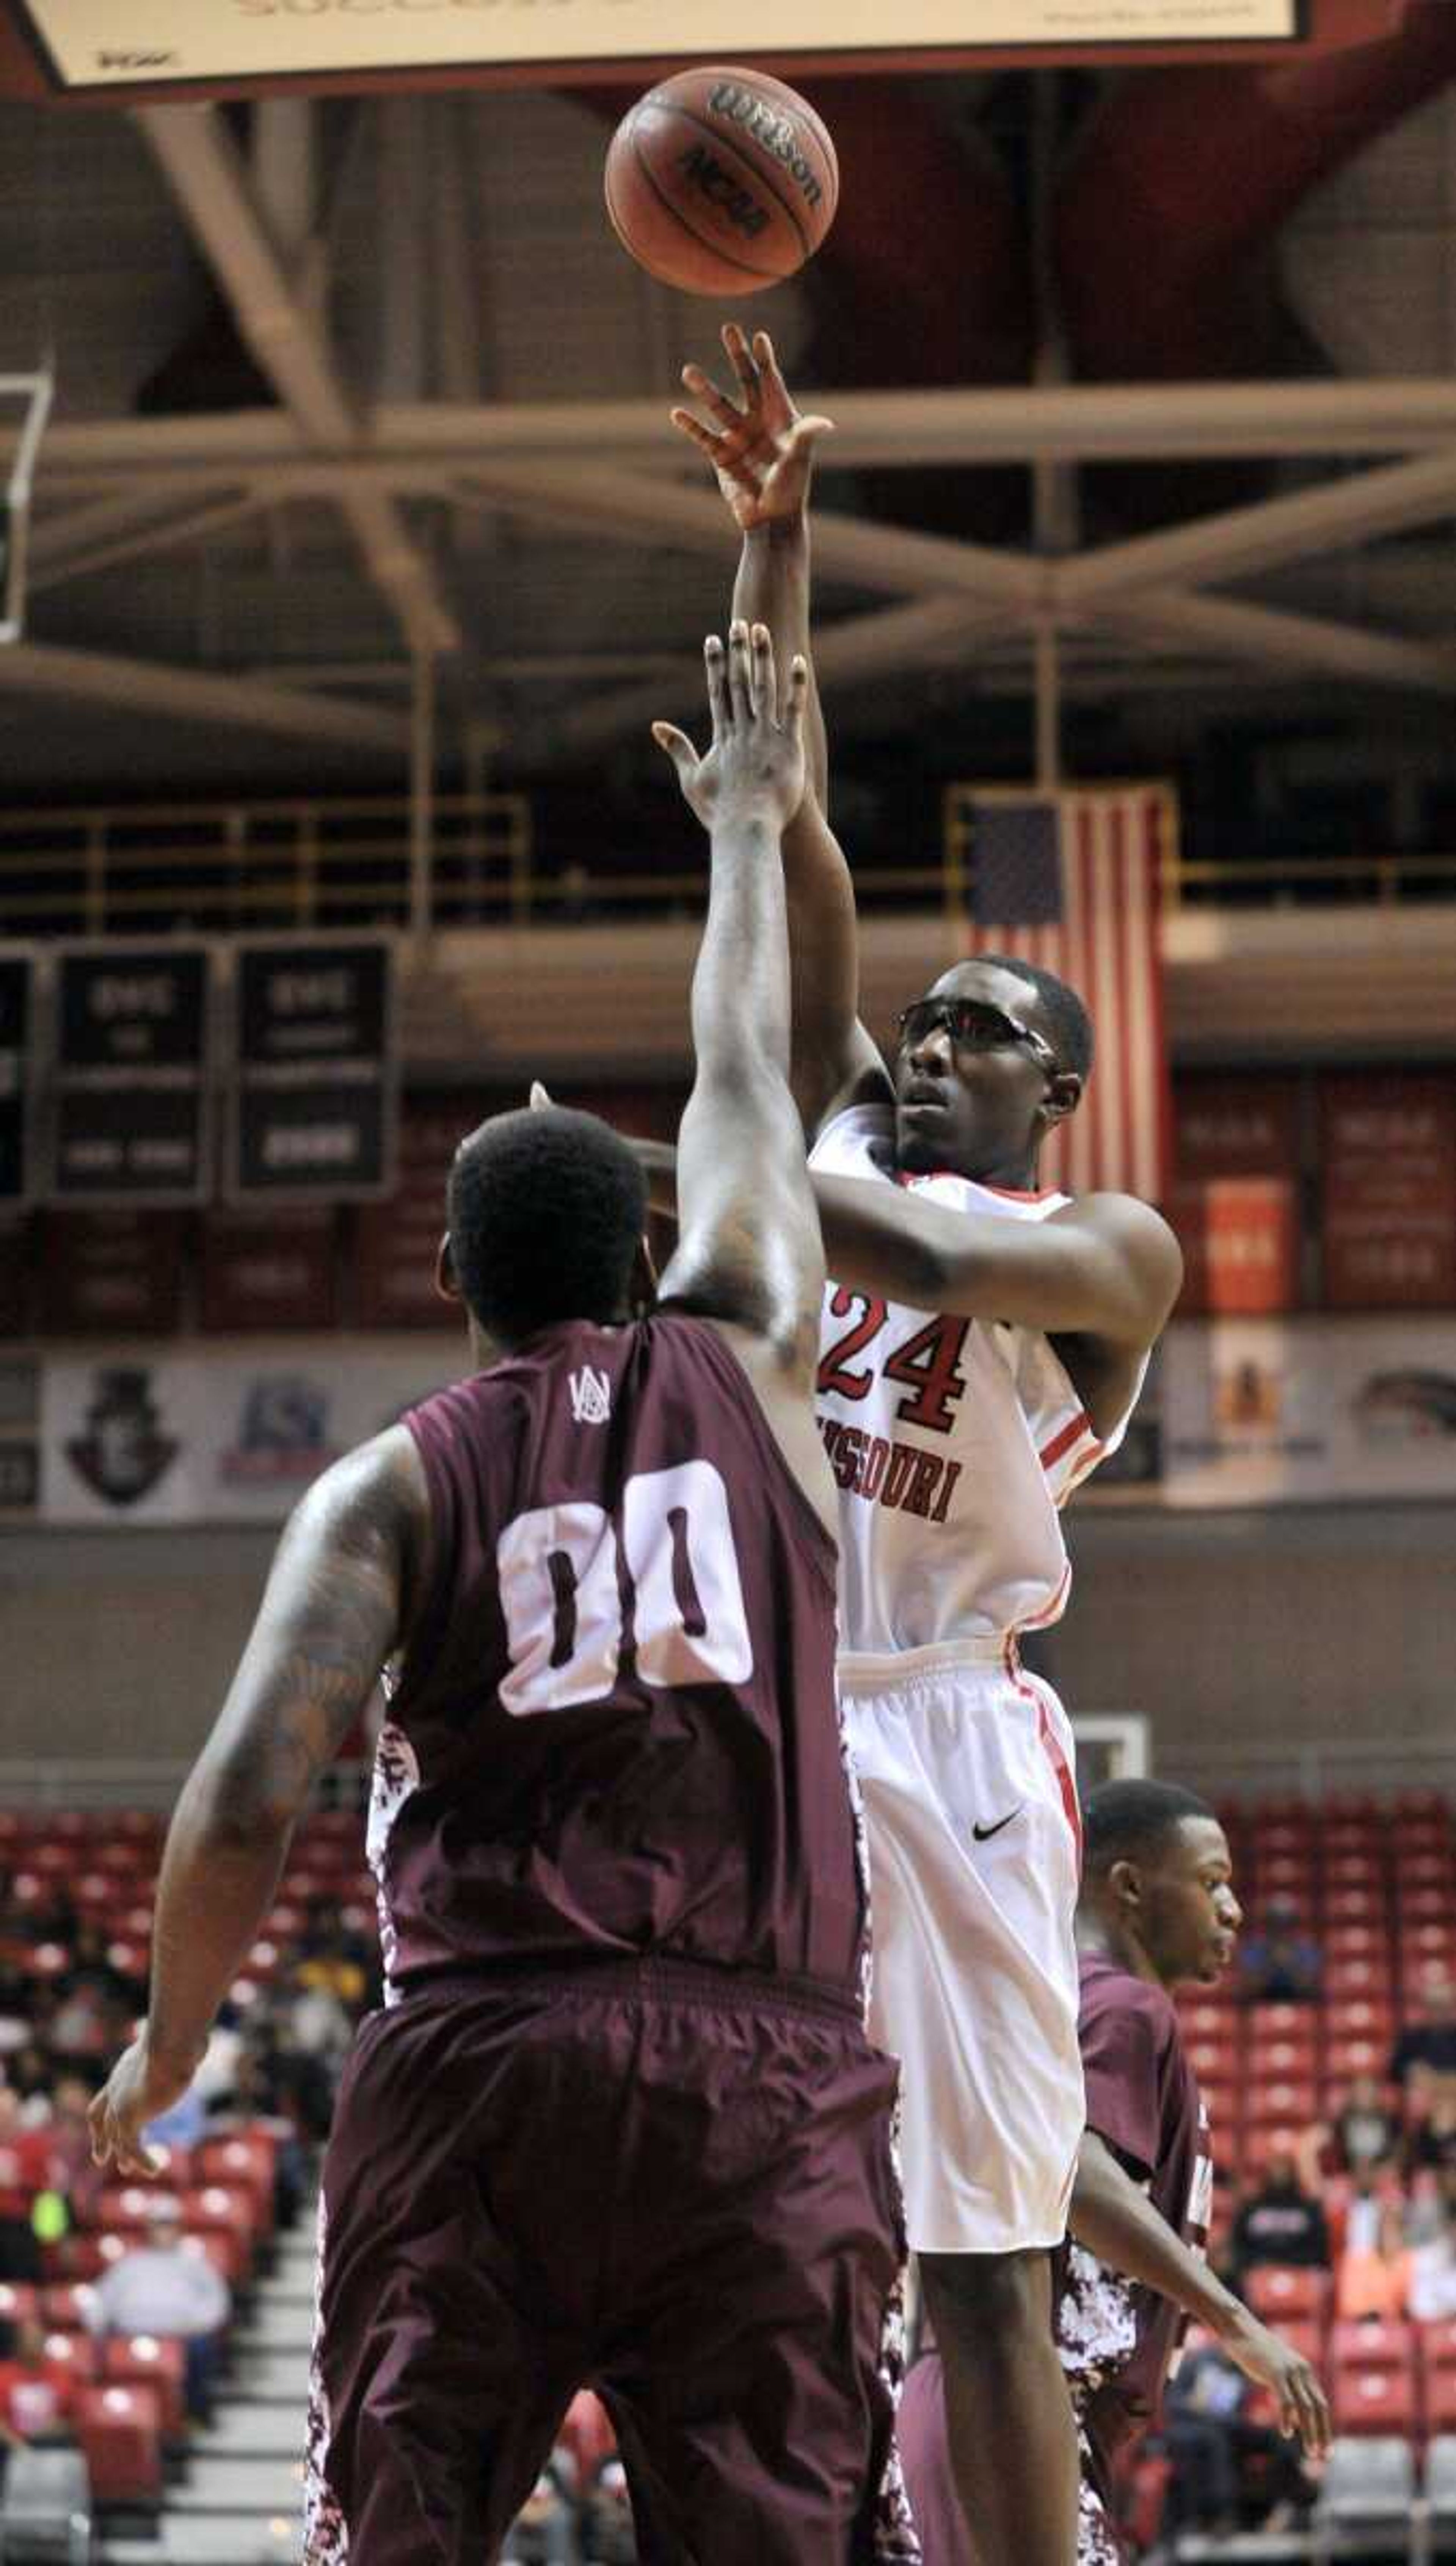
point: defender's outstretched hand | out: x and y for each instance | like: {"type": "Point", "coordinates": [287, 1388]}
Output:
{"type": "Point", "coordinates": [760, 448]}
{"type": "Point", "coordinates": [754, 767]}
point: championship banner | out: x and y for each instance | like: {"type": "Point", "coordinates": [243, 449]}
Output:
{"type": "Point", "coordinates": [195, 1439]}
{"type": "Point", "coordinates": [314, 1103]}
{"type": "Point", "coordinates": [1233, 1122]}
{"type": "Point", "coordinates": [1388, 1184]}
{"type": "Point", "coordinates": [130, 1120]}
{"type": "Point", "coordinates": [20, 1451]}
{"type": "Point", "coordinates": [1263, 1411]}
{"type": "Point", "coordinates": [1071, 881]}
{"type": "Point", "coordinates": [17, 1053]}
{"type": "Point", "coordinates": [110, 1273]}
{"type": "Point", "coordinates": [1240, 1241]}
{"type": "Point", "coordinates": [281, 1272]}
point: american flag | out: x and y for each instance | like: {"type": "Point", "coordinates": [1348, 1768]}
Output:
{"type": "Point", "coordinates": [1071, 881]}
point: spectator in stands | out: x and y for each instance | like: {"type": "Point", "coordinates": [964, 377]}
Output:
{"type": "Point", "coordinates": [160, 2288]}
{"type": "Point", "coordinates": [31, 2071]}
{"type": "Point", "coordinates": [1372, 2277]}
{"type": "Point", "coordinates": [35, 2398]}
{"type": "Point", "coordinates": [1280, 1963]}
{"type": "Point", "coordinates": [1281, 2223]}
{"type": "Point", "coordinates": [542, 2533]}
{"type": "Point", "coordinates": [1424, 2060]}
{"type": "Point", "coordinates": [23, 2174]}
{"type": "Point", "coordinates": [1362, 2137]}
{"type": "Point", "coordinates": [93, 1968]}
{"type": "Point", "coordinates": [1430, 2139]}
{"type": "Point", "coordinates": [1227, 2470]}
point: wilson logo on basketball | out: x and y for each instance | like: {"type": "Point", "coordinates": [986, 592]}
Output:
{"type": "Point", "coordinates": [772, 133]}
{"type": "Point", "coordinates": [722, 190]}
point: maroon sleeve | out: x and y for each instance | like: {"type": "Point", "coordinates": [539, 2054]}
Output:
{"type": "Point", "coordinates": [1124, 2032]}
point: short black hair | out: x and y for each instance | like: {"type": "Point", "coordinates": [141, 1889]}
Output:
{"type": "Point", "coordinates": [1067, 1022]}
{"type": "Point", "coordinates": [1129, 1821]}
{"type": "Point", "coordinates": [545, 1209]}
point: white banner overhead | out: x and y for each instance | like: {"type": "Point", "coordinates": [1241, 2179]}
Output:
{"type": "Point", "coordinates": [114, 43]}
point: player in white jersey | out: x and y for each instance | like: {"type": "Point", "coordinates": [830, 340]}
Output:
{"type": "Point", "coordinates": [983, 1345]}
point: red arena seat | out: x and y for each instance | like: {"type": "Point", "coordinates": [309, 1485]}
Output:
{"type": "Point", "coordinates": [119, 2432]}
{"type": "Point", "coordinates": [1375, 2401]}
{"type": "Point", "coordinates": [71, 2356]}
{"type": "Point", "coordinates": [70, 2307]}
{"type": "Point", "coordinates": [1275, 2291]}
{"type": "Point", "coordinates": [152, 2361]}
{"type": "Point", "coordinates": [1372, 2343]}
{"type": "Point", "coordinates": [1284, 2102]}
{"type": "Point", "coordinates": [19, 2301]}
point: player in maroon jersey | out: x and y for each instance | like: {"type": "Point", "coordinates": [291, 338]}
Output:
{"type": "Point", "coordinates": [1157, 1909]}
{"type": "Point", "coordinates": [619, 2122]}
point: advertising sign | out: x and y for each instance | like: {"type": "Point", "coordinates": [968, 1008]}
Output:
{"type": "Point", "coordinates": [1262, 1412]}
{"type": "Point", "coordinates": [213, 1438]}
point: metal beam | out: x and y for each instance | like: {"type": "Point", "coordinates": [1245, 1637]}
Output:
{"type": "Point", "coordinates": [206, 172]}
{"type": "Point", "coordinates": [862, 647]}
{"type": "Point", "coordinates": [1241, 540]}
{"type": "Point", "coordinates": [1288, 641]}
{"type": "Point", "coordinates": [159, 535]}
{"type": "Point", "coordinates": [887, 429]}
{"type": "Point", "coordinates": [628, 505]}
{"type": "Point", "coordinates": [151, 689]}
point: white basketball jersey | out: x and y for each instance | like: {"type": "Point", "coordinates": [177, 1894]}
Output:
{"type": "Point", "coordinates": [954, 1441]}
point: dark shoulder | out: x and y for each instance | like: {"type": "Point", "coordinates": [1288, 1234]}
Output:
{"type": "Point", "coordinates": [1110, 1994]}
{"type": "Point", "coordinates": [373, 1504]}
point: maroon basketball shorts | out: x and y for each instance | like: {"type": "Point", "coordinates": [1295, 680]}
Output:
{"type": "Point", "coordinates": [925, 2451]}
{"type": "Point", "coordinates": [671, 2185]}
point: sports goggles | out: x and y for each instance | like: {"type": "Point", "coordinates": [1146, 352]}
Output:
{"type": "Point", "coordinates": [972, 1026]}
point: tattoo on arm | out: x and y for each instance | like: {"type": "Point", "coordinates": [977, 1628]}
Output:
{"type": "Point", "coordinates": [339, 1602]}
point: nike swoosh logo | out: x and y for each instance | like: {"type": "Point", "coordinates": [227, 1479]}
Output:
{"type": "Point", "coordinates": [983, 1835]}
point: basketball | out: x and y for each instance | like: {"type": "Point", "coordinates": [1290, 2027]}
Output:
{"type": "Point", "coordinates": [721, 181]}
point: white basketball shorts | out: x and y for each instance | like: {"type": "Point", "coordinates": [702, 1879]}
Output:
{"type": "Point", "coordinates": [967, 1768]}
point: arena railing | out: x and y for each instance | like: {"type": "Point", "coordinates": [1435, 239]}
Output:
{"type": "Point", "coordinates": [95, 1784]}
{"type": "Point", "coordinates": [299, 864]}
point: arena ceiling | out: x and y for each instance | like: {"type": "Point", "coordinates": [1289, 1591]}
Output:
{"type": "Point", "coordinates": [359, 435]}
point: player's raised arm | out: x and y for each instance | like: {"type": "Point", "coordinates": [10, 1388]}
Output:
{"type": "Point", "coordinates": [749, 1246]}
{"type": "Point", "coordinates": [332, 1614]}
{"type": "Point", "coordinates": [762, 452]}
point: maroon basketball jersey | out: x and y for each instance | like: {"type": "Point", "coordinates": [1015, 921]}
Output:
{"type": "Point", "coordinates": [1118, 2338]}
{"type": "Point", "coordinates": [614, 1732]}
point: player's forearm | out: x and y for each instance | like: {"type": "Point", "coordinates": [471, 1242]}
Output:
{"type": "Point", "coordinates": [219, 1876]}
{"type": "Point", "coordinates": [740, 988]}
{"type": "Point", "coordinates": [1119, 2224]}
{"type": "Point", "coordinates": [772, 587]}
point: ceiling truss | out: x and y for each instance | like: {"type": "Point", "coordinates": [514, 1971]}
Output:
{"type": "Point", "coordinates": [117, 491]}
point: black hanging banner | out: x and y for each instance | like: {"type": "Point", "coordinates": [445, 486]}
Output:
{"type": "Point", "coordinates": [314, 1104]}
{"type": "Point", "coordinates": [17, 1054]}
{"type": "Point", "coordinates": [130, 1120]}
